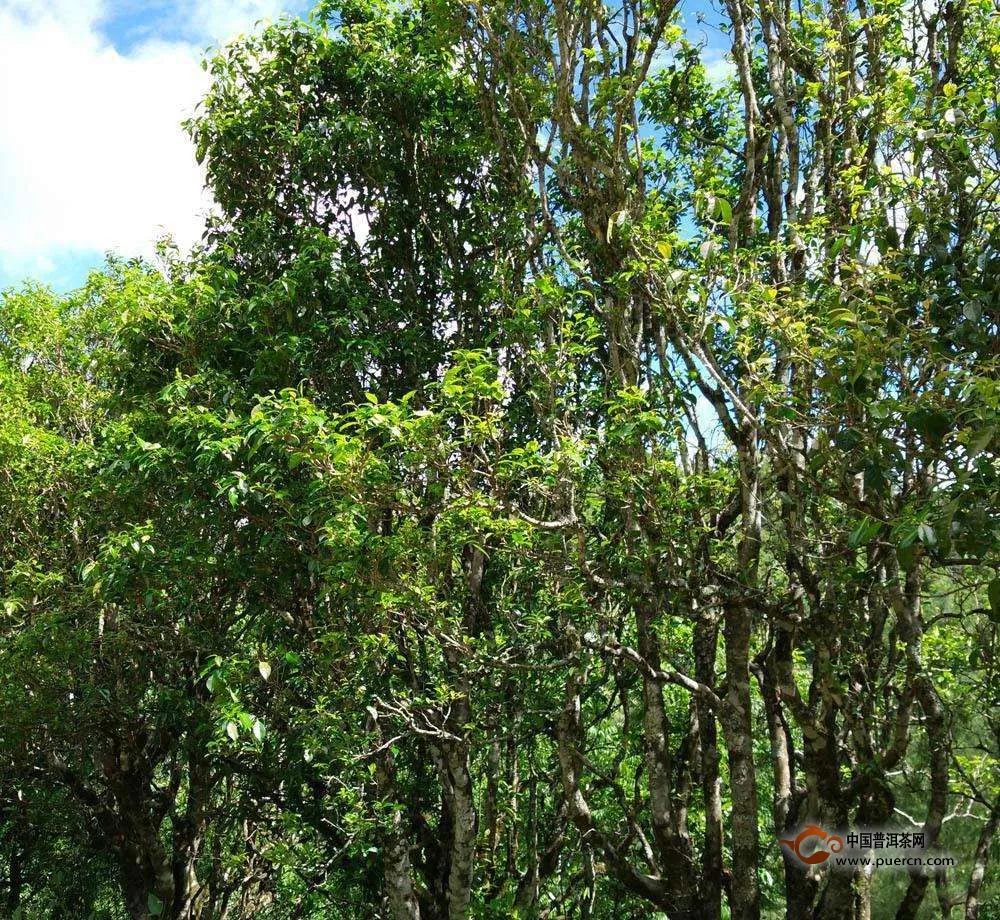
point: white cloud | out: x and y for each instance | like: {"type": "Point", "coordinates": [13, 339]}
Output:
{"type": "Point", "coordinates": [92, 154]}
{"type": "Point", "coordinates": [220, 19]}
{"type": "Point", "coordinates": [718, 63]}
{"type": "Point", "coordinates": [71, 12]}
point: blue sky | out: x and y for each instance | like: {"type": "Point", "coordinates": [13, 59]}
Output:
{"type": "Point", "coordinates": [92, 156]}
{"type": "Point", "coordinates": [92, 95]}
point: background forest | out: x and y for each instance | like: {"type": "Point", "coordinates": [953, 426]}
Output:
{"type": "Point", "coordinates": [563, 470]}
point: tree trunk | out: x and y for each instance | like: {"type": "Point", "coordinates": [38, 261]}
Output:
{"type": "Point", "coordinates": [399, 891]}
{"type": "Point", "coordinates": [706, 637]}
{"type": "Point", "coordinates": [979, 863]}
{"type": "Point", "coordinates": [455, 758]}
{"type": "Point", "coordinates": [738, 730]}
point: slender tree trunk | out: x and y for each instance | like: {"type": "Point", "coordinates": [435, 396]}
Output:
{"type": "Point", "coordinates": [906, 603]}
{"type": "Point", "coordinates": [979, 863]}
{"type": "Point", "coordinates": [676, 856]}
{"type": "Point", "coordinates": [18, 848]}
{"type": "Point", "coordinates": [491, 816]}
{"type": "Point", "coordinates": [455, 758]}
{"type": "Point", "coordinates": [800, 888]}
{"type": "Point", "coordinates": [737, 727]}
{"type": "Point", "coordinates": [706, 635]}
{"type": "Point", "coordinates": [403, 904]}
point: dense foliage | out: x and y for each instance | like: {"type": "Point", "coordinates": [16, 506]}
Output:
{"type": "Point", "coordinates": [567, 467]}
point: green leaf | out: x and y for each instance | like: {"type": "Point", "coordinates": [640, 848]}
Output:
{"type": "Point", "coordinates": [867, 530]}
{"type": "Point", "coordinates": [907, 556]}
{"type": "Point", "coordinates": [993, 594]}
{"type": "Point", "coordinates": [931, 424]}
{"type": "Point", "coordinates": [981, 440]}
{"type": "Point", "coordinates": [154, 904]}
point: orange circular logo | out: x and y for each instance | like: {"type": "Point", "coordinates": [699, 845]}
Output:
{"type": "Point", "coordinates": [827, 844]}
